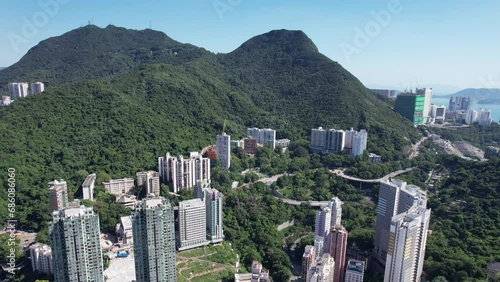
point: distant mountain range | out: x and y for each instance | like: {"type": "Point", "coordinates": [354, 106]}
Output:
{"type": "Point", "coordinates": [480, 95]}
{"type": "Point", "coordinates": [1, 68]}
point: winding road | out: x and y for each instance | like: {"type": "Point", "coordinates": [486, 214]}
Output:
{"type": "Point", "coordinates": [337, 172]}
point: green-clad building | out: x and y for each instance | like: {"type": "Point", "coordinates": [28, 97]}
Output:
{"type": "Point", "coordinates": [411, 106]}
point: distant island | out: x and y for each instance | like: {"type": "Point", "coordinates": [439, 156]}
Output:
{"type": "Point", "coordinates": [482, 96]}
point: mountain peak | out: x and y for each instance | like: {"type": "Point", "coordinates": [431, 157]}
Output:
{"type": "Point", "coordinates": [283, 39]}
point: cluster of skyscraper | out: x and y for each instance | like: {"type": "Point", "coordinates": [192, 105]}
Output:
{"type": "Point", "coordinates": [263, 136]}
{"type": "Point", "coordinates": [76, 254]}
{"type": "Point", "coordinates": [255, 137]}
{"type": "Point", "coordinates": [336, 141]}
{"type": "Point", "coordinates": [20, 89]}
{"type": "Point", "coordinates": [401, 230]}
{"type": "Point", "coordinates": [183, 173]}
{"type": "Point", "coordinates": [325, 261]}
{"type": "Point", "coordinates": [460, 110]}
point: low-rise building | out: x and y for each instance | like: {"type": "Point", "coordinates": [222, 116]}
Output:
{"type": "Point", "coordinates": [5, 101]}
{"type": "Point", "coordinates": [283, 143]}
{"type": "Point", "coordinates": [88, 187]}
{"type": "Point", "coordinates": [375, 159]}
{"type": "Point", "coordinates": [124, 230]}
{"type": "Point", "coordinates": [127, 200]}
{"type": "Point", "coordinates": [250, 145]}
{"type": "Point", "coordinates": [119, 186]}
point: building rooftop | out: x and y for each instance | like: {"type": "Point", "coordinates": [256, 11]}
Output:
{"type": "Point", "coordinates": [192, 202]}
{"type": "Point", "coordinates": [126, 221]}
{"type": "Point", "coordinates": [70, 212]}
{"type": "Point", "coordinates": [89, 179]}
{"type": "Point", "coordinates": [57, 183]}
{"type": "Point", "coordinates": [41, 248]}
{"type": "Point", "coordinates": [118, 180]}
{"type": "Point", "coordinates": [153, 202]}
{"type": "Point", "coordinates": [356, 265]}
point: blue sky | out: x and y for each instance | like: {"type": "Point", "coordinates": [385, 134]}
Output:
{"type": "Point", "coordinates": [397, 43]}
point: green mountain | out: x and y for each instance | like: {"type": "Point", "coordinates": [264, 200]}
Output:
{"type": "Point", "coordinates": [480, 95]}
{"type": "Point", "coordinates": [118, 98]}
{"type": "Point", "coordinates": [91, 52]}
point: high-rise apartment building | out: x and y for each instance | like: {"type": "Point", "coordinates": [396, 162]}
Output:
{"type": "Point", "coordinates": [395, 197]}
{"type": "Point", "coordinates": [484, 117]}
{"type": "Point", "coordinates": [360, 141]}
{"type": "Point", "coordinates": [323, 270]}
{"type": "Point", "coordinates": [411, 106]}
{"type": "Point", "coordinates": [355, 271]}
{"type": "Point", "coordinates": [338, 247]}
{"type": "Point", "coordinates": [427, 93]}
{"type": "Point", "coordinates": [88, 187]}
{"type": "Point", "coordinates": [223, 147]}
{"type": "Point", "coordinates": [335, 141]}
{"type": "Point", "coordinates": [149, 180]}
{"type": "Point", "coordinates": [491, 152]}
{"type": "Point", "coordinates": [308, 260]}
{"type": "Point", "coordinates": [319, 248]}
{"type": "Point", "coordinates": [213, 203]}
{"type": "Point", "coordinates": [349, 138]}
{"type": "Point", "coordinates": [335, 206]}
{"type": "Point", "coordinates": [119, 186]}
{"type": "Point", "coordinates": [154, 240]}
{"type": "Point", "coordinates": [327, 141]}
{"type": "Point", "coordinates": [460, 103]}
{"type": "Point", "coordinates": [192, 225]}
{"type": "Point", "coordinates": [183, 173]}
{"type": "Point", "coordinates": [265, 136]}
{"type": "Point", "coordinates": [213, 207]}
{"type": "Point", "coordinates": [18, 90]}
{"type": "Point", "coordinates": [41, 258]}
{"type": "Point", "coordinates": [58, 193]}
{"type": "Point", "coordinates": [407, 240]}
{"type": "Point", "coordinates": [75, 244]}
{"type": "Point", "coordinates": [322, 226]}
{"type": "Point", "coordinates": [37, 87]}
{"type": "Point", "coordinates": [323, 222]}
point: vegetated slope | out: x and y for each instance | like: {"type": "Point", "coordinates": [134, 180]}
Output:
{"type": "Point", "coordinates": [465, 221]}
{"type": "Point", "coordinates": [91, 52]}
{"type": "Point", "coordinates": [121, 124]}
{"type": "Point", "coordinates": [283, 72]}
{"type": "Point", "coordinates": [118, 128]}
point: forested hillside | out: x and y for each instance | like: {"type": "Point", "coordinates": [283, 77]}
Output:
{"type": "Point", "coordinates": [117, 99]}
